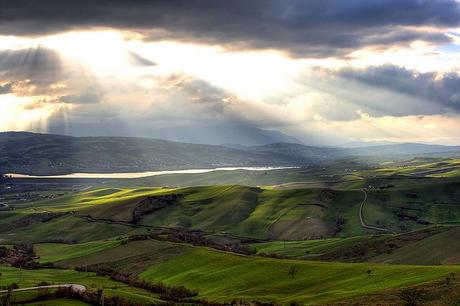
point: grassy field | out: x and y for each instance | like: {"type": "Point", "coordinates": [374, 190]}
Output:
{"type": "Point", "coordinates": [131, 258]}
{"type": "Point", "coordinates": [223, 276]}
{"type": "Point", "coordinates": [86, 199]}
{"type": "Point", "coordinates": [30, 278]}
{"type": "Point", "coordinates": [264, 213]}
{"type": "Point", "coordinates": [434, 203]}
{"type": "Point", "coordinates": [59, 302]}
{"type": "Point", "coordinates": [304, 249]}
{"type": "Point", "coordinates": [53, 252]}
{"type": "Point", "coordinates": [431, 246]}
{"type": "Point", "coordinates": [439, 249]}
{"type": "Point", "coordinates": [66, 228]}
{"type": "Point", "coordinates": [240, 210]}
{"type": "Point", "coordinates": [307, 215]}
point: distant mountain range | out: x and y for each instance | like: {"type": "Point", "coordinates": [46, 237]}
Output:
{"type": "Point", "coordinates": [45, 154]}
{"type": "Point", "coordinates": [223, 134]}
{"type": "Point", "coordinates": [205, 133]}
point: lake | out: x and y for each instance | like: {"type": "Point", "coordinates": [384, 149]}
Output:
{"type": "Point", "coordinates": [145, 173]}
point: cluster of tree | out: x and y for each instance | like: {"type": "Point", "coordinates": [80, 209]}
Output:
{"type": "Point", "coordinates": [9, 286]}
{"type": "Point", "coordinates": [22, 256]}
{"type": "Point", "coordinates": [167, 293]}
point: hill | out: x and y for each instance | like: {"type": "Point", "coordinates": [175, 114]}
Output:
{"type": "Point", "coordinates": [430, 246]}
{"type": "Point", "coordinates": [223, 276]}
{"type": "Point", "coordinates": [282, 213]}
{"type": "Point", "coordinates": [238, 210]}
{"type": "Point", "coordinates": [236, 134]}
{"type": "Point", "coordinates": [45, 154]}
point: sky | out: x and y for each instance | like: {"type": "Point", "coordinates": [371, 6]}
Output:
{"type": "Point", "coordinates": [327, 72]}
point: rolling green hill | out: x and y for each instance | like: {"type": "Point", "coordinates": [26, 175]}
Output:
{"type": "Point", "coordinates": [440, 249]}
{"type": "Point", "coordinates": [431, 246]}
{"type": "Point", "coordinates": [250, 212]}
{"type": "Point", "coordinates": [296, 212]}
{"type": "Point", "coordinates": [223, 276]}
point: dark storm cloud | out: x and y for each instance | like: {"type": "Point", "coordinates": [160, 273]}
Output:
{"type": "Point", "coordinates": [441, 91]}
{"type": "Point", "coordinates": [6, 88]}
{"type": "Point", "coordinates": [40, 66]}
{"type": "Point", "coordinates": [303, 28]}
{"type": "Point", "coordinates": [40, 71]}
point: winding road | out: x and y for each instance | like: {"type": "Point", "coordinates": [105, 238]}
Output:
{"type": "Point", "coordinates": [361, 217]}
{"type": "Point", "coordinates": [74, 287]}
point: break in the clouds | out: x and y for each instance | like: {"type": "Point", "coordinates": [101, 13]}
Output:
{"type": "Point", "coordinates": [324, 71]}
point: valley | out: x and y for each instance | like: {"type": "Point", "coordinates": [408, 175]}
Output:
{"type": "Point", "coordinates": [282, 236]}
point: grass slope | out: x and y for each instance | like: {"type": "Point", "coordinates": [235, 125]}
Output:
{"type": "Point", "coordinates": [442, 248]}
{"type": "Point", "coordinates": [223, 276]}
{"type": "Point", "coordinates": [130, 258]}
{"type": "Point", "coordinates": [87, 199]}
{"type": "Point", "coordinates": [67, 228]}
{"type": "Point", "coordinates": [304, 249]}
{"type": "Point", "coordinates": [52, 252]}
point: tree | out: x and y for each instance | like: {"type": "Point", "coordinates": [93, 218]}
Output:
{"type": "Point", "coordinates": [13, 286]}
{"type": "Point", "coordinates": [448, 279]}
{"type": "Point", "coordinates": [412, 296]}
{"type": "Point", "coordinates": [292, 271]}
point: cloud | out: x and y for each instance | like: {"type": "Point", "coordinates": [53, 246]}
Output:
{"type": "Point", "coordinates": [198, 92]}
{"type": "Point", "coordinates": [40, 73]}
{"type": "Point", "coordinates": [314, 28]}
{"type": "Point", "coordinates": [36, 63]}
{"type": "Point", "coordinates": [425, 129]}
{"type": "Point", "coordinates": [441, 90]}
{"type": "Point", "coordinates": [90, 96]}
{"type": "Point", "coordinates": [139, 61]}
{"type": "Point", "coordinates": [6, 88]}
{"type": "Point", "coordinates": [31, 70]}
